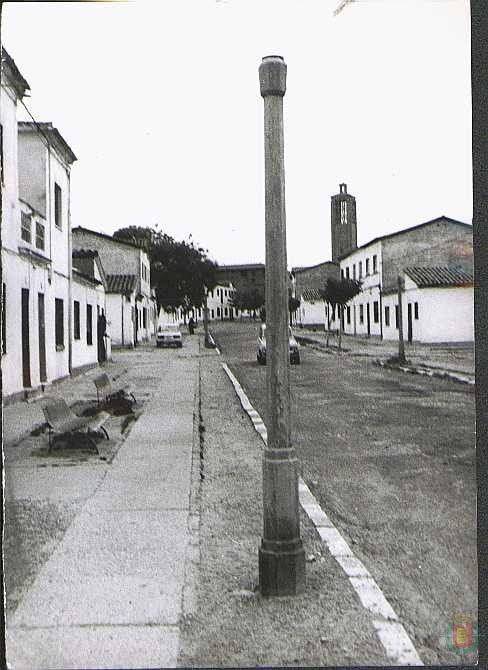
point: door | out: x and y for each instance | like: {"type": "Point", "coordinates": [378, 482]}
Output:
{"type": "Point", "coordinates": [42, 337]}
{"type": "Point", "coordinates": [368, 319]}
{"type": "Point", "coordinates": [26, 377]}
{"type": "Point", "coordinates": [409, 322]}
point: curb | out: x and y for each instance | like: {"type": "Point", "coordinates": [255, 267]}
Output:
{"type": "Point", "coordinates": [426, 372]}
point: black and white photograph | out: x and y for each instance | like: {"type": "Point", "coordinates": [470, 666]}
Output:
{"type": "Point", "coordinates": [238, 334]}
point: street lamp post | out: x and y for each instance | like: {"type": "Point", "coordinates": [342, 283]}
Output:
{"type": "Point", "coordinates": [281, 555]}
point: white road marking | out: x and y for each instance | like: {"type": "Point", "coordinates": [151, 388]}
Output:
{"type": "Point", "coordinates": [392, 635]}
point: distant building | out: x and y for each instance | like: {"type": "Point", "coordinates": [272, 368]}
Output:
{"type": "Point", "coordinates": [220, 306]}
{"type": "Point", "coordinates": [250, 276]}
{"type": "Point", "coordinates": [122, 259]}
{"type": "Point", "coordinates": [442, 242]}
{"type": "Point", "coordinates": [440, 250]}
{"type": "Point", "coordinates": [306, 285]}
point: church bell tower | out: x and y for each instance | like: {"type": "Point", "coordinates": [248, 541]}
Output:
{"type": "Point", "coordinates": [343, 223]}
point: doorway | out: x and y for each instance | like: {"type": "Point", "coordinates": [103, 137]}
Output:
{"type": "Point", "coordinates": [409, 322]}
{"type": "Point", "coordinates": [368, 319]}
{"type": "Point", "coordinates": [26, 376]}
{"type": "Point", "coordinates": [42, 337]}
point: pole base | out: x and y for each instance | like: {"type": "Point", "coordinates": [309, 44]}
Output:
{"type": "Point", "coordinates": [282, 573]}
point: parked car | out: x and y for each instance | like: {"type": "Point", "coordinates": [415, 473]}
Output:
{"type": "Point", "coordinates": [169, 336]}
{"type": "Point", "coordinates": [261, 353]}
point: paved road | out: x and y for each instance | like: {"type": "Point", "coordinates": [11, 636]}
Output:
{"type": "Point", "coordinates": [391, 459]}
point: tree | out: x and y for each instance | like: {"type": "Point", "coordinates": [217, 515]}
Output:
{"type": "Point", "coordinates": [181, 272]}
{"type": "Point", "coordinates": [251, 299]}
{"type": "Point", "coordinates": [337, 293]}
{"type": "Point", "coordinates": [293, 305]}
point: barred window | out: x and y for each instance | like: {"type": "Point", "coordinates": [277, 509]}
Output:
{"type": "Point", "coordinates": [76, 320]}
{"type": "Point", "coordinates": [26, 227]}
{"type": "Point", "coordinates": [89, 324]}
{"type": "Point", "coordinates": [40, 241]}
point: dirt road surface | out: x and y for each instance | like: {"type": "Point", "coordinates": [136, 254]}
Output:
{"type": "Point", "coordinates": [391, 459]}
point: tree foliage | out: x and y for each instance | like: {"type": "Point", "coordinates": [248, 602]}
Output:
{"type": "Point", "coordinates": [250, 299]}
{"type": "Point", "coordinates": [180, 271]}
{"type": "Point", "coordinates": [340, 291]}
{"type": "Point", "coordinates": [337, 293]}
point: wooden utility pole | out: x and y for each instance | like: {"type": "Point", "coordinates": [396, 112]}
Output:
{"type": "Point", "coordinates": [401, 345]}
{"type": "Point", "coordinates": [281, 555]}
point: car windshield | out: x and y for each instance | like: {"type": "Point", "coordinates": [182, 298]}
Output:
{"type": "Point", "coordinates": [168, 329]}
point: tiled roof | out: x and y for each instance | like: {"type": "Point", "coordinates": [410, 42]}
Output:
{"type": "Point", "coordinates": [312, 295]}
{"type": "Point", "coordinates": [82, 275]}
{"type": "Point", "coordinates": [84, 253]}
{"type": "Point", "coordinates": [121, 283]}
{"type": "Point", "coordinates": [439, 276]}
{"type": "Point", "coordinates": [10, 67]}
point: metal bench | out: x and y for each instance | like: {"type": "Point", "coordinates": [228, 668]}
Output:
{"type": "Point", "coordinates": [62, 420]}
{"type": "Point", "coordinates": [107, 391]}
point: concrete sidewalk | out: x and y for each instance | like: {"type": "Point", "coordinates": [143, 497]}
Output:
{"type": "Point", "coordinates": [111, 593]}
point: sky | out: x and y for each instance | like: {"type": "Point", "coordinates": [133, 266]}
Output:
{"type": "Point", "coordinates": [160, 102]}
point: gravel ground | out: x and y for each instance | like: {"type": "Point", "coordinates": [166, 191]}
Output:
{"type": "Point", "coordinates": [232, 625]}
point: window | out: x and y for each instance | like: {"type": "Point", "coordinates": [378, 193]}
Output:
{"type": "Point", "coordinates": [354, 271]}
{"type": "Point", "coordinates": [396, 316]}
{"type": "Point", "coordinates": [347, 273]}
{"type": "Point", "coordinates": [218, 311]}
{"type": "Point", "coordinates": [59, 323]}
{"type": "Point", "coordinates": [376, 311]}
{"type": "Point", "coordinates": [25, 227]}
{"type": "Point", "coordinates": [361, 313]}
{"type": "Point", "coordinates": [375, 264]}
{"type": "Point", "coordinates": [144, 317]}
{"type": "Point", "coordinates": [342, 274]}
{"type": "Point", "coordinates": [89, 324]}
{"type": "Point", "coordinates": [360, 269]}
{"type": "Point", "coordinates": [212, 312]}
{"type": "Point", "coordinates": [4, 319]}
{"type": "Point", "coordinates": [225, 311]}
{"type": "Point", "coordinates": [416, 310]}
{"type": "Point", "coordinates": [343, 212]}
{"type": "Point", "coordinates": [367, 267]}
{"type": "Point", "coordinates": [348, 314]}
{"type": "Point", "coordinates": [76, 320]}
{"type": "Point", "coordinates": [387, 316]}
{"type": "Point", "coordinates": [58, 211]}
{"type": "Point", "coordinates": [39, 235]}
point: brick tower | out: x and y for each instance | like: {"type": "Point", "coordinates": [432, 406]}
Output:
{"type": "Point", "coordinates": [343, 223]}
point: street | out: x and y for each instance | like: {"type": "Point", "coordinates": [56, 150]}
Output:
{"type": "Point", "coordinates": [390, 457]}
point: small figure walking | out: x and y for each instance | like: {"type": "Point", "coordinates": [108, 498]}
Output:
{"type": "Point", "coordinates": [191, 325]}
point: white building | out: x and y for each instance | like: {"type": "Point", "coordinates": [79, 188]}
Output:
{"type": "Point", "coordinates": [131, 305]}
{"type": "Point", "coordinates": [36, 253]}
{"type": "Point", "coordinates": [91, 342]}
{"type": "Point", "coordinates": [441, 250]}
